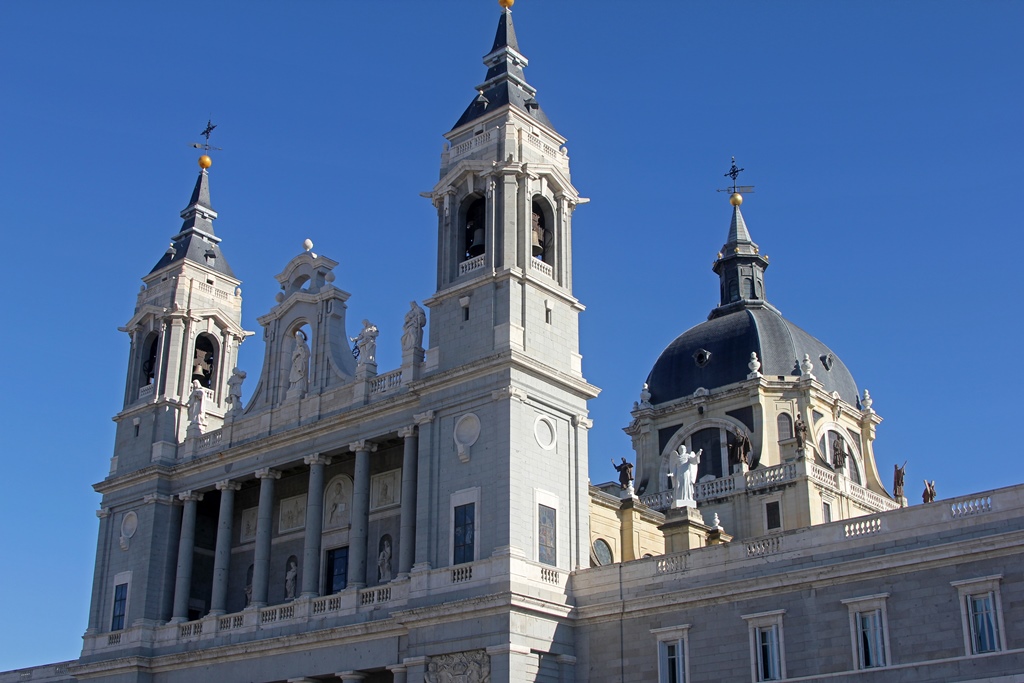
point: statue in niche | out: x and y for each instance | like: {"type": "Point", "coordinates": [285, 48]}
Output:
{"type": "Point", "coordinates": [929, 491]}
{"type": "Point", "coordinates": [297, 376]}
{"type": "Point", "coordinates": [234, 398]}
{"type": "Point", "coordinates": [739, 448]}
{"type": "Point", "coordinates": [290, 577]}
{"type": "Point", "coordinates": [800, 431]}
{"type": "Point", "coordinates": [412, 329]}
{"type": "Point", "coordinates": [839, 453]}
{"type": "Point", "coordinates": [197, 407]}
{"type": "Point", "coordinates": [384, 560]}
{"type": "Point", "coordinates": [625, 471]}
{"type": "Point", "coordinates": [898, 475]}
{"type": "Point", "coordinates": [366, 343]}
{"type": "Point", "coordinates": [683, 466]}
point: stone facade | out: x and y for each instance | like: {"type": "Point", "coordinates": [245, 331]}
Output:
{"type": "Point", "coordinates": [434, 522]}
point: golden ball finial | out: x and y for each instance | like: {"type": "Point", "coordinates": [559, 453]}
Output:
{"type": "Point", "coordinates": [506, 3]}
{"type": "Point", "coordinates": [736, 199]}
{"type": "Point", "coordinates": [205, 161]}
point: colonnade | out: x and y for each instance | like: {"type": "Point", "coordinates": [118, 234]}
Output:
{"type": "Point", "coordinates": [312, 544]}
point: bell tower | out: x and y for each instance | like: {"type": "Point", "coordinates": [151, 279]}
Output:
{"type": "Point", "coordinates": [184, 341]}
{"type": "Point", "coordinates": [504, 203]}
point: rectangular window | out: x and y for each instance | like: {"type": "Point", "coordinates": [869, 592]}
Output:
{"type": "Point", "coordinates": [981, 614]}
{"type": "Point", "coordinates": [773, 515]}
{"type": "Point", "coordinates": [672, 653]}
{"type": "Point", "coordinates": [826, 512]}
{"type": "Point", "coordinates": [546, 546]}
{"type": "Point", "coordinates": [767, 645]}
{"type": "Point", "coordinates": [768, 662]}
{"type": "Point", "coordinates": [336, 577]}
{"type": "Point", "coordinates": [120, 606]}
{"type": "Point", "coordinates": [464, 531]}
{"type": "Point", "coordinates": [671, 664]}
{"type": "Point", "coordinates": [870, 639]}
{"type": "Point", "coordinates": [984, 626]}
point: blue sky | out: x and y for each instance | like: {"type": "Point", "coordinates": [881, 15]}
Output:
{"type": "Point", "coordinates": [883, 139]}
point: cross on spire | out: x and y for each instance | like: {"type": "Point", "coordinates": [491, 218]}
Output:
{"type": "Point", "coordinates": [206, 146]}
{"type": "Point", "coordinates": [734, 173]}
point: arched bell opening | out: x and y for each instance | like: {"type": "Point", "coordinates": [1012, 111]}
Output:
{"type": "Point", "coordinates": [204, 360]}
{"type": "Point", "coordinates": [150, 350]}
{"type": "Point", "coordinates": [474, 232]}
{"type": "Point", "coordinates": [541, 231]}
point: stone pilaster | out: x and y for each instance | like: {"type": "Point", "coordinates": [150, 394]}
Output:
{"type": "Point", "coordinates": [360, 514]}
{"type": "Point", "coordinates": [264, 527]}
{"type": "Point", "coordinates": [314, 525]}
{"type": "Point", "coordinates": [222, 554]}
{"type": "Point", "coordinates": [186, 546]}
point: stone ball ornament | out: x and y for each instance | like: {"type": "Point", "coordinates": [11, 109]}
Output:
{"type": "Point", "coordinates": [205, 161]}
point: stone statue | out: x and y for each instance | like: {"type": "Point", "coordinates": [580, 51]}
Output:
{"type": "Point", "coordinates": [384, 561]}
{"type": "Point", "coordinates": [412, 329]}
{"type": "Point", "coordinates": [800, 430]}
{"type": "Point", "coordinates": [739, 449]}
{"type": "Point", "coordinates": [234, 398]}
{"type": "Point", "coordinates": [366, 343]}
{"type": "Point", "coordinates": [625, 471]}
{"type": "Point", "coordinates": [684, 476]}
{"type": "Point", "coordinates": [839, 453]}
{"type": "Point", "coordinates": [197, 407]}
{"type": "Point", "coordinates": [929, 491]}
{"type": "Point", "coordinates": [898, 475]}
{"type": "Point", "coordinates": [289, 579]}
{"type": "Point", "coordinates": [300, 366]}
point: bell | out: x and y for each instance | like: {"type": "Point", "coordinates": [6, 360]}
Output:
{"type": "Point", "coordinates": [476, 244]}
{"type": "Point", "coordinates": [538, 245]}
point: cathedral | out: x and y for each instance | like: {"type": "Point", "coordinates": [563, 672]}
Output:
{"type": "Point", "coordinates": [435, 521]}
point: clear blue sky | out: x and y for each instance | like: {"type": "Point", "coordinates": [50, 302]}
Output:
{"type": "Point", "coordinates": [884, 140]}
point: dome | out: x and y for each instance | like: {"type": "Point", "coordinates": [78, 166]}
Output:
{"type": "Point", "coordinates": [716, 352]}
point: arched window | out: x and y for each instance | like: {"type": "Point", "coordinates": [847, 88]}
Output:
{"type": "Point", "coordinates": [540, 232]}
{"type": "Point", "coordinates": [784, 424]}
{"type": "Point", "coordinates": [204, 362]}
{"type": "Point", "coordinates": [474, 232]}
{"type": "Point", "coordinates": [147, 375]}
{"type": "Point", "coordinates": [734, 290]}
{"type": "Point", "coordinates": [710, 441]}
{"type": "Point", "coordinates": [603, 553]}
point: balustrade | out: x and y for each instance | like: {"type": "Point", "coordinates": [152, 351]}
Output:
{"type": "Point", "coordinates": [669, 564]}
{"type": "Point", "coordinates": [861, 527]}
{"type": "Point", "coordinates": [388, 382]}
{"type": "Point", "coordinates": [472, 264]}
{"type": "Point", "coordinates": [764, 546]}
{"type": "Point", "coordinates": [537, 264]}
{"type": "Point", "coordinates": [970, 506]}
{"type": "Point", "coordinates": [462, 573]}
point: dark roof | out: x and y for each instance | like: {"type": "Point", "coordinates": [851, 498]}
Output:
{"type": "Point", "coordinates": [730, 339]}
{"type": "Point", "coordinates": [196, 240]}
{"type": "Point", "coordinates": [505, 82]}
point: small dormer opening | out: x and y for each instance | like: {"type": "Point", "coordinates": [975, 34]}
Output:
{"type": "Point", "coordinates": [474, 232]}
{"type": "Point", "coordinates": [204, 361]}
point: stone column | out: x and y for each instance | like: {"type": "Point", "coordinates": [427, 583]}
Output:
{"type": "Point", "coordinates": [415, 668]}
{"type": "Point", "coordinates": [314, 524]}
{"type": "Point", "coordinates": [399, 673]}
{"type": "Point", "coordinates": [360, 514]}
{"type": "Point", "coordinates": [222, 556]}
{"type": "Point", "coordinates": [186, 545]}
{"type": "Point", "coordinates": [264, 527]}
{"type": "Point", "coordinates": [407, 545]}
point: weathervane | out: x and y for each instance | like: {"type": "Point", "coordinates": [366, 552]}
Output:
{"type": "Point", "coordinates": [734, 173]}
{"type": "Point", "coordinates": [205, 161]}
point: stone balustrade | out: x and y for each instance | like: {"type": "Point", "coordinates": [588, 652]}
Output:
{"type": "Point", "coordinates": [540, 266]}
{"type": "Point", "coordinates": [329, 611]}
{"type": "Point", "coordinates": [476, 142]}
{"type": "Point", "coordinates": [469, 265]}
{"type": "Point", "coordinates": [147, 391]}
{"type": "Point", "coordinates": [386, 383]}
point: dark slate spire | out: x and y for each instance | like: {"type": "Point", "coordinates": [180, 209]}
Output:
{"type": "Point", "coordinates": [740, 266]}
{"type": "Point", "coordinates": [505, 82]}
{"type": "Point", "coordinates": [196, 240]}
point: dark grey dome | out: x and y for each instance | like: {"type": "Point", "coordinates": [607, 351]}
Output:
{"type": "Point", "coordinates": [715, 354]}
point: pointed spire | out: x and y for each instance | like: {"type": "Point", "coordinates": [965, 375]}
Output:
{"type": "Point", "coordinates": [505, 82]}
{"type": "Point", "coordinates": [196, 240]}
{"type": "Point", "coordinates": [739, 265]}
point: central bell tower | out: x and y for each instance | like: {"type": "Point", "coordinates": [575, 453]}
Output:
{"type": "Point", "coordinates": [505, 203]}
